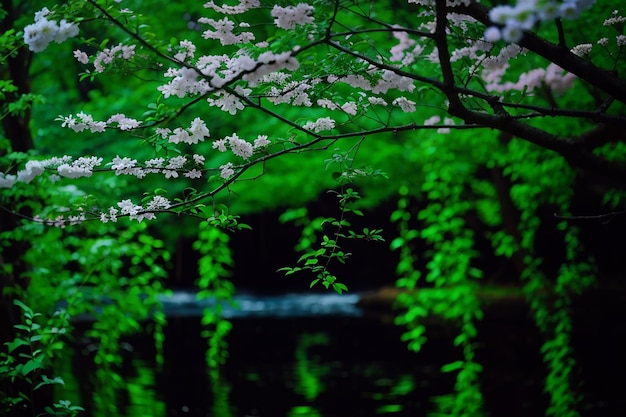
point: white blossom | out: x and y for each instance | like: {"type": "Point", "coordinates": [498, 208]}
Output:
{"type": "Point", "coordinates": [405, 104]}
{"type": "Point", "coordinates": [39, 34]}
{"type": "Point", "coordinates": [240, 147]}
{"type": "Point", "coordinates": [261, 142]}
{"type": "Point", "coordinates": [321, 124]}
{"type": "Point", "coordinates": [291, 16]}
{"type": "Point", "coordinates": [194, 173]}
{"type": "Point", "coordinates": [582, 49]}
{"type": "Point", "coordinates": [226, 170]}
{"type": "Point", "coordinates": [198, 159]}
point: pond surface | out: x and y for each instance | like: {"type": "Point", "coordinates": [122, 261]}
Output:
{"type": "Point", "coordinates": [321, 355]}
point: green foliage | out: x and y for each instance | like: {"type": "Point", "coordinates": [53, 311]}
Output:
{"type": "Point", "coordinates": [27, 361]}
{"type": "Point", "coordinates": [111, 275]}
{"type": "Point", "coordinates": [213, 283]}
{"type": "Point", "coordinates": [450, 276]}
{"type": "Point", "coordinates": [318, 255]}
{"type": "Point", "coordinates": [445, 286]}
{"type": "Point", "coordinates": [482, 181]}
{"type": "Point", "coordinates": [308, 372]}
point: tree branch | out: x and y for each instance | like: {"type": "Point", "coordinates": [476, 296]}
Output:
{"type": "Point", "coordinates": [606, 81]}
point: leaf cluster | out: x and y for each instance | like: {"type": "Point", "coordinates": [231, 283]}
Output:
{"type": "Point", "coordinates": [27, 361]}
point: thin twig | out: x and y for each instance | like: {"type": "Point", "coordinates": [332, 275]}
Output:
{"type": "Point", "coordinates": [604, 218]}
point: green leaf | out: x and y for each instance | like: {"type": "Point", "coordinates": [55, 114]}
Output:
{"type": "Point", "coordinates": [23, 306]}
{"type": "Point", "coordinates": [339, 287]}
{"type": "Point", "coordinates": [396, 243]}
{"type": "Point", "coordinates": [453, 366]}
{"type": "Point", "coordinates": [30, 366]}
{"type": "Point", "coordinates": [48, 381]}
{"type": "Point", "coordinates": [16, 343]}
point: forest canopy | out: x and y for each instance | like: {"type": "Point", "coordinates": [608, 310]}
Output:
{"type": "Point", "coordinates": [491, 136]}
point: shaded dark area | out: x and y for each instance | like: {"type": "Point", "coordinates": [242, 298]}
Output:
{"type": "Point", "coordinates": [597, 339]}
{"type": "Point", "coordinates": [260, 252]}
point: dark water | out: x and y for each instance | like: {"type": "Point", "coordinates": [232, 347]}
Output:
{"type": "Point", "coordinates": [323, 356]}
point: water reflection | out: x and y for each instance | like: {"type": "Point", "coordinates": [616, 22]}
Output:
{"type": "Point", "coordinates": [340, 366]}
{"type": "Point", "coordinates": [187, 304]}
{"type": "Point", "coordinates": [334, 361]}
{"type": "Point", "coordinates": [330, 367]}
{"type": "Point", "coordinates": [142, 396]}
{"type": "Point", "coordinates": [309, 369]}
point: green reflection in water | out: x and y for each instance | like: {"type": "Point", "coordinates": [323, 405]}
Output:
{"type": "Point", "coordinates": [221, 392]}
{"type": "Point", "coordinates": [253, 376]}
{"type": "Point", "coordinates": [389, 408]}
{"type": "Point", "coordinates": [139, 399]}
{"type": "Point", "coordinates": [304, 410]}
{"type": "Point", "coordinates": [403, 386]}
{"type": "Point", "coordinates": [141, 392]}
{"type": "Point", "coordinates": [308, 369]}
{"type": "Point", "coordinates": [308, 372]}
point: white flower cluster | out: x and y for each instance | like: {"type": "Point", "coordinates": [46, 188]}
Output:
{"type": "Point", "coordinates": [184, 81]}
{"type": "Point", "coordinates": [291, 16]}
{"type": "Point", "coordinates": [553, 77]}
{"type": "Point", "coordinates": [213, 72]}
{"type": "Point", "coordinates": [106, 56]}
{"type": "Point", "coordinates": [267, 63]}
{"type": "Point", "coordinates": [227, 170]}
{"type": "Point", "coordinates": [582, 49]}
{"type": "Point", "coordinates": [81, 167]}
{"type": "Point", "coordinates": [65, 167]}
{"type": "Point", "coordinates": [618, 21]}
{"type": "Point", "coordinates": [295, 93]}
{"type": "Point", "coordinates": [388, 80]}
{"type": "Point", "coordinates": [229, 102]}
{"type": "Point", "coordinates": [449, 3]}
{"type": "Point", "coordinates": [513, 21]}
{"type": "Point", "coordinates": [407, 50]}
{"type": "Point", "coordinates": [186, 51]}
{"type": "Point", "coordinates": [405, 104]}
{"type": "Point", "coordinates": [615, 19]}
{"type": "Point", "coordinates": [135, 211]}
{"type": "Point", "coordinates": [224, 31]}
{"type": "Point", "coordinates": [169, 168]}
{"type": "Point", "coordinates": [240, 147]}
{"type": "Point", "coordinates": [38, 35]}
{"type": "Point", "coordinates": [433, 120]}
{"type": "Point", "coordinates": [62, 221]}
{"type": "Point", "coordinates": [321, 124]}
{"type": "Point", "coordinates": [377, 101]}
{"type": "Point", "coordinates": [32, 169]}
{"type": "Point", "coordinates": [196, 132]}
{"type": "Point", "coordinates": [83, 121]}
{"type": "Point", "coordinates": [243, 6]}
